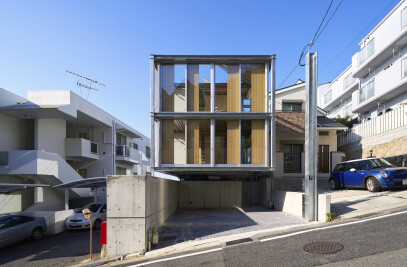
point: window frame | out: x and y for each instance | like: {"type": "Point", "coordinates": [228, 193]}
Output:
{"type": "Point", "coordinates": [403, 23]}
{"type": "Point", "coordinates": [365, 52]}
{"type": "Point", "coordinates": [330, 96]}
{"type": "Point", "coordinates": [366, 95]}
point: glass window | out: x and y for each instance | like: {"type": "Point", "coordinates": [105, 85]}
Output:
{"type": "Point", "coordinates": [292, 157]}
{"type": "Point", "coordinates": [366, 52]}
{"type": "Point", "coordinates": [366, 92]}
{"type": "Point", "coordinates": [328, 97]}
{"type": "Point", "coordinates": [199, 141]}
{"type": "Point", "coordinates": [172, 84]}
{"type": "Point", "coordinates": [292, 107]}
{"type": "Point", "coordinates": [17, 220]}
{"type": "Point", "coordinates": [404, 17]}
{"type": "Point", "coordinates": [349, 80]}
{"type": "Point", "coordinates": [339, 167]}
{"type": "Point", "coordinates": [148, 152]}
{"type": "Point", "coordinates": [5, 223]}
{"type": "Point", "coordinates": [121, 171]}
{"type": "Point", "coordinates": [121, 140]}
{"type": "Point", "coordinates": [227, 88]}
{"type": "Point", "coordinates": [253, 87]}
{"type": "Point", "coordinates": [173, 142]}
{"type": "Point", "coordinates": [348, 110]}
{"type": "Point", "coordinates": [405, 67]}
{"type": "Point", "coordinates": [252, 143]}
{"type": "Point", "coordinates": [198, 87]}
{"type": "Point", "coordinates": [227, 142]}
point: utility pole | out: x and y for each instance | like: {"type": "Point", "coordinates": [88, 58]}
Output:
{"type": "Point", "coordinates": [311, 192]}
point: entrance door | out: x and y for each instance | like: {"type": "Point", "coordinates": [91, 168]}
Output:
{"type": "Point", "coordinates": [323, 159]}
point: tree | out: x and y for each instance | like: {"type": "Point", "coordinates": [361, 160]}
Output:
{"type": "Point", "coordinates": [344, 120]}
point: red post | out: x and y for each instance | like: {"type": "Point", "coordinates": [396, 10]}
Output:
{"type": "Point", "coordinates": [103, 233]}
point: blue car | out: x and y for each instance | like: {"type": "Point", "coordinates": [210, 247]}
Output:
{"type": "Point", "coordinates": [375, 174]}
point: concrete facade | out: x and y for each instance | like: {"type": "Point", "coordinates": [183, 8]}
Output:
{"type": "Point", "coordinates": [136, 205]}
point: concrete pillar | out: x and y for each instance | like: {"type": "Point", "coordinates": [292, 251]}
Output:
{"type": "Point", "coordinates": [66, 198]}
{"type": "Point", "coordinates": [38, 195]}
{"type": "Point", "coordinates": [265, 192]}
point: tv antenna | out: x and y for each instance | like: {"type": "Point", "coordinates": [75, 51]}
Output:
{"type": "Point", "coordinates": [87, 83]}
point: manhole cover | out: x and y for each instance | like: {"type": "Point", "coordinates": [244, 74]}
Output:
{"type": "Point", "coordinates": [323, 247]}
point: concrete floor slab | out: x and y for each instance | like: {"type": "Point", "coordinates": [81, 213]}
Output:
{"type": "Point", "coordinates": [187, 225]}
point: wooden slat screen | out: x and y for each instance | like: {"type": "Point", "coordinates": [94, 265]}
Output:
{"type": "Point", "coordinates": [258, 142]}
{"type": "Point", "coordinates": [193, 87]}
{"type": "Point", "coordinates": [258, 88]}
{"type": "Point", "coordinates": [167, 87]}
{"type": "Point", "coordinates": [233, 140]}
{"type": "Point", "coordinates": [167, 146]}
{"type": "Point", "coordinates": [233, 96]}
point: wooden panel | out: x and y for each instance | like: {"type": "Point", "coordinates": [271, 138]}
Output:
{"type": "Point", "coordinates": [258, 88]}
{"type": "Point", "coordinates": [167, 147]}
{"type": "Point", "coordinates": [193, 151]}
{"type": "Point", "coordinates": [167, 87]}
{"type": "Point", "coordinates": [193, 87]}
{"type": "Point", "coordinates": [233, 140]}
{"type": "Point", "coordinates": [219, 150]}
{"type": "Point", "coordinates": [258, 142]}
{"type": "Point", "coordinates": [233, 88]}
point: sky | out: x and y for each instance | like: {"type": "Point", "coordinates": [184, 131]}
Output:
{"type": "Point", "coordinates": [110, 41]}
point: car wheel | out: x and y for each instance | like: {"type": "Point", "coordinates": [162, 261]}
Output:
{"type": "Point", "coordinates": [36, 234]}
{"type": "Point", "coordinates": [96, 225]}
{"type": "Point", "coordinates": [333, 184]}
{"type": "Point", "coordinates": [372, 185]}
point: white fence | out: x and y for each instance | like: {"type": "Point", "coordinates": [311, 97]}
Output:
{"type": "Point", "coordinates": [381, 124]}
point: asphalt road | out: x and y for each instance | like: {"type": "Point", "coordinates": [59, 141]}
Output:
{"type": "Point", "coordinates": [63, 249]}
{"type": "Point", "coordinates": [379, 242]}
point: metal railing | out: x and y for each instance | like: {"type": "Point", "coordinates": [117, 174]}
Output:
{"type": "Point", "coordinates": [381, 124]}
{"type": "Point", "coordinates": [123, 150]}
{"type": "Point", "coordinates": [292, 162]}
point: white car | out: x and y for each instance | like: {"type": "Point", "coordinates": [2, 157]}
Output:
{"type": "Point", "coordinates": [78, 221]}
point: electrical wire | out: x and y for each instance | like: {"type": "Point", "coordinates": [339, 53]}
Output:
{"type": "Point", "coordinates": [356, 37]}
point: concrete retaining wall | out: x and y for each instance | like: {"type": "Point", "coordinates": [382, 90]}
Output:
{"type": "Point", "coordinates": [135, 204]}
{"type": "Point", "coordinates": [293, 203]}
{"type": "Point", "coordinates": [209, 194]}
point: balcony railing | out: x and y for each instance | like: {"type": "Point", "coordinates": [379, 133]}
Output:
{"type": "Point", "coordinates": [123, 150]}
{"type": "Point", "coordinates": [381, 124]}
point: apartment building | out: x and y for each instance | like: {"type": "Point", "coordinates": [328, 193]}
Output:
{"type": "Point", "coordinates": [211, 115]}
{"type": "Point", "coordinates": [373, 89]}
{"type": "Point", "coordinates": [57, 137]}
{"type": "Point", "coordinates": [375, 82]}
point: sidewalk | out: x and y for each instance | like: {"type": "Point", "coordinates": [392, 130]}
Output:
{"type": "Point", "coordinates": [355, 203]}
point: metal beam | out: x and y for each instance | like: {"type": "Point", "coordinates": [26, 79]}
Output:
{"type": "Point", "coordinates": [66, 198]}
{"type": "Point", "coordinates": [152, 109]}
{"type": "Point", "coordinates": [311, 194]}
{"type": "Point", "coordinates": [273, 112]}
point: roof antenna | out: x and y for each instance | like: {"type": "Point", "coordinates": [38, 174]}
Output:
{"type": "Point", "coordinates": [87, 83]}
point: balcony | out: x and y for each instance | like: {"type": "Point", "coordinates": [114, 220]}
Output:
{"type": "Point", "coordinates": [388, 84]}
{"type": "Point", "coordinates": [80, 148]}
{"type": "Point", "coordinates": [127, 154]}
{"type": "Point", "coordinates": [386, 45]}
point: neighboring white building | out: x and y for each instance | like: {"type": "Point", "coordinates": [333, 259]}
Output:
{"type": "Point", "coordinates": [56, 137]}
{"type": "Point", "coordinates": [375, 82]}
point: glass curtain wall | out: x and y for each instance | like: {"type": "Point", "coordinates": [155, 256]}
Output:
{"type": "Point", "coordinates": [252, 142]}
{"type": "Point", "coordinates": [172, 85]}
{"type": "Point", "coordinates": [198, 141]}
{"type": "Point", "coordinates": [253, 88]}
{"type": "Point", "coordinates": [226, 142]}
{"type": "Point", "coordinates": [173, 142]}
{"type": "Point", "coordinates": [198, 87]}
{"type": "Point", "coordinates": [227, 88]}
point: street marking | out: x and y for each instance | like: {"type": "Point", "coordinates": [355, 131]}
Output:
{"type": "Point", "coordinates": [177, 257]}
{"type": "Point", "coordinates": [332, 226]}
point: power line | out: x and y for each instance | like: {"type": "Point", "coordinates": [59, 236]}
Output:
{"type": "Point", "coordinates": [356, 37]}
{"type": "Point", "coordinates": [316, 36]}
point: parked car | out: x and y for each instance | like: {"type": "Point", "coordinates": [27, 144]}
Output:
{"type": "Point", "coordinates": [14, 228]}
{"type": "Point", "coordinates": [375, 174]}
{"type": "Point", "coordinates": [78, 221]}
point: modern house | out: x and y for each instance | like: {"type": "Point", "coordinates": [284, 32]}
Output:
{"type": "Point", "coordinates": [212, 115]}
{"type": "Point", "coordinates": [57, 137]}
{"type": "Point", "coordinates": [373, 89]}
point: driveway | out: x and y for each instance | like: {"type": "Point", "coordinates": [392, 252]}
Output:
{"type": "Point", "coordinates": [63, 249]}
{"type": "Point", "coordinates": [204, 224]}
{"type": "Point", "coordinates": [355, 203]}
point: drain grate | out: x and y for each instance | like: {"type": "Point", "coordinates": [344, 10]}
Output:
{"type": "Point", "coordinates": [323, 247]}
{"type": "Point", "coordinates": [238, 241]}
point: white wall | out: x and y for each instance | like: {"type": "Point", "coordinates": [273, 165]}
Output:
{"type": "Point", "coordinates": [15, 133]}
{"type": "Point", "coordinates": [50, 135]}
{"type": "Point", "coordinates": [292, 95]}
